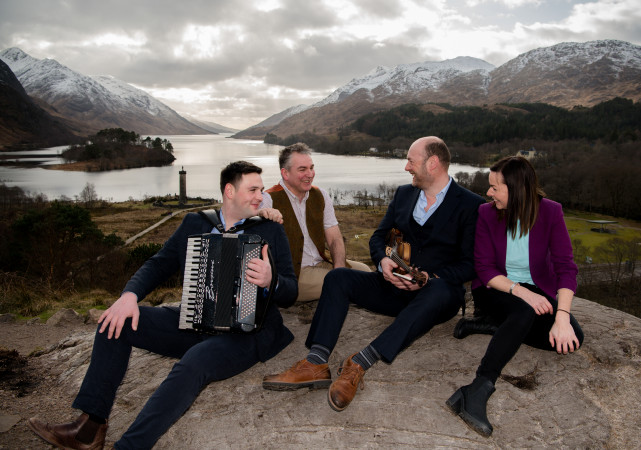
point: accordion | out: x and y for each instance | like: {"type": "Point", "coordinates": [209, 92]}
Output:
{"type": "Point", "coordinates": [216, 295]}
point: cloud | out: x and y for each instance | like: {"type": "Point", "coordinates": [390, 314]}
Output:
{"type": "Point", "coordinates": [508, 3]}
{"type": "Point", "coordinates": [239, 62]}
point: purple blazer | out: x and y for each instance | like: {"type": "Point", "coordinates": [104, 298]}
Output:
{"type": "Point", "coordinates": [551, 261]}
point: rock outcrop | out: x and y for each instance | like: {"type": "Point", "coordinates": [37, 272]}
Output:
{"type": "Point", "coordinates": [589, 399]}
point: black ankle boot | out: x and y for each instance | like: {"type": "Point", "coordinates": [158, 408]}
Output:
{"type": "Point", "coordinates": [470, 404]}
{"type": "Point", "coordinates": [475, 325]}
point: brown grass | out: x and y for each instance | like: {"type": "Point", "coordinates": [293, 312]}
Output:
{"type": "Point", "coordinates": [130, 218]}
{"type": "Point", "coordinates": [78, 166]}
{"type": "Point", "coordinates": [357, 224]}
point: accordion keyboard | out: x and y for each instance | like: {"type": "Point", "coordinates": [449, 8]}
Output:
{"type": "Point", "coordinates": [190, 282]}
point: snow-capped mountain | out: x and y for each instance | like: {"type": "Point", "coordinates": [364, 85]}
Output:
{"type": "Point", "coordinates": [621, 55]}
{"type": "Point", "coordinates": [569, 74]}
{"type": "Point", "coordinates": [94, 102]}
{"type": "Point", "coordinates": [407, 78]}
{"type": "Point", "coordinates": [381, 88]}
{"type": "Point", "coordinates": [23, 124]}
{"type": "Point", "coordinates": [127, 94]}
{"type": "Point", "coordinates": [565, 75]}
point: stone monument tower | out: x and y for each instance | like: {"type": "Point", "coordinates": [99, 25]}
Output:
{"type": "Point", "coordinates": [183, 186]}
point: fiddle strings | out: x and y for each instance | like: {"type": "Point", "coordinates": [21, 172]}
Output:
{"type": "Point", "coordinates": [398, 260]}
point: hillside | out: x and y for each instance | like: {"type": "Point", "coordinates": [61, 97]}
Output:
{"type": "Point", "coordinates": [94, 103]}
{"type": "Point", "coordinates": [563, 75]}
{"type": "Point", "coordinates": [24, 124]}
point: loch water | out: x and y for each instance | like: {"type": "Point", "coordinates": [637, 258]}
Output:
{"type": "Point", "coordinates": [202, 157]}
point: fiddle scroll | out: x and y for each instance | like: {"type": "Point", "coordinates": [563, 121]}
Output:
{"type": "Point", "coordinates": [399, 251]}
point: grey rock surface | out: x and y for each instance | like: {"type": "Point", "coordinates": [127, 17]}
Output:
{"type": "Point", "coordinates": [589, 399]}
{"type": "Point", "coordinates": [93, 315]}
{"type": "Point", "coordinates": [7, 318]}
{"type": "Point", "coordinates": [65, 316]}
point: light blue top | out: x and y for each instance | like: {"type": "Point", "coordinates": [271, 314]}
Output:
{"type": "Point", "coordinates": [420, 215]}
{"type": "Point", "coordinates": [222, 220]}
{"type": "Point", "coordinates": [517, 257]}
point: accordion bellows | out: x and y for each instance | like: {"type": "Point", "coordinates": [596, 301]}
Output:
{"type": "Point", "coordinates": [216, 295]}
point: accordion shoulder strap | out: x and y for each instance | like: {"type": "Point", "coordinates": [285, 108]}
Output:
{"type": "Point", "coordinates": [211, 215]}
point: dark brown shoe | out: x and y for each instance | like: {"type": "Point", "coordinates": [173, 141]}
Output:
{"type": "Point", "coordinates": [65, 435]}
{"type": "Point", "coordinates": [300, 375]}
{"type": "Point", "coordinates": [343, 390]}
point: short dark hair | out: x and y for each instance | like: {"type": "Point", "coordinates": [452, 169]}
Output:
{"type": "Point", "coordinates": [437, 147]}
{"type": "Point", "coordinates": [234, 171]}
{"type": "Point", "coordinates": [285, 154]}
{"type": "Point", "coordinates": [524, 193]}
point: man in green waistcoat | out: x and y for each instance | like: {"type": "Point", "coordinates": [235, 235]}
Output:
{"type": "Point", "coordinates": [309, 221]}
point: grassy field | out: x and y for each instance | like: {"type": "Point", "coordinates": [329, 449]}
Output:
{"type": "Point", "coordinates": [357, 224]}
{"type": "Point", "coordinates": [580, 228]}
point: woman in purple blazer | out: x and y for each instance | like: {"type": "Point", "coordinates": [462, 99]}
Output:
{"type": "Point", "coordinates": [526, 280]}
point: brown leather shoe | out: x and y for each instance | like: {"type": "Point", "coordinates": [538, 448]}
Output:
{"type": "Point", "coordinates": [65, 435]}
{"type": "Point", "coordinates": [343, 390]}
{"type": "Point", "coordinates": [300, 375]}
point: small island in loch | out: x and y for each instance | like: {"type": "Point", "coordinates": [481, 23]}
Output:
{"type": "Point", "coordinates": [116, 149]}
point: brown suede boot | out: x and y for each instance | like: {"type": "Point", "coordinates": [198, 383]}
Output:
{"type": "Point", "coordinates": [74, 435]}
{"type": "Point", "coordinates": [300, 375]}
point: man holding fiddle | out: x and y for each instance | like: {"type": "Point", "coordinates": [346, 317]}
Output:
{"type": "Point", "coordinates": [436, 218]}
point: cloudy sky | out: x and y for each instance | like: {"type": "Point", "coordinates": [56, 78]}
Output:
{"type": "Point", "coordinates": [238, 62]}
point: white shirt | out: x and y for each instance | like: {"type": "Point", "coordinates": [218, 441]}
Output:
{"type": "Point", "coordinates": [311, 257]}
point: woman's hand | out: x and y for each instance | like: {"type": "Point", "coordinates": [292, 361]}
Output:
{"type": "Point", "coordinates": [539, 303]}
{"type": "Point", "coordinates": [562, 337]}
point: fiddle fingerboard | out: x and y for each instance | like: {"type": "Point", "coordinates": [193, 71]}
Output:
{"type": "Point", "coordinates": [397, 259]}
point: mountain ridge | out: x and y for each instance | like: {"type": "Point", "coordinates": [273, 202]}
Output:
{"type": "Point", "coordinates": [567, 74]}
{"type": "Point", "coordinates": [89, 103]}
{"type": "Point", "coordinates": [24, 123]}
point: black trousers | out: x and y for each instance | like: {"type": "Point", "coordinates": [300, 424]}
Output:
{"type": "Point", "coordinates": [416, 312]}
{"type": "Point", "coordinates": [202, 359]}
{"type": "Point", "coordinates": [518, 324]}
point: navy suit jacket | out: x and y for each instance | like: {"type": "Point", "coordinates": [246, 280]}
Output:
{"type": "Point", "coordinates": [448, 251]}
{"type": "Point", "coordinates": [273, 336]}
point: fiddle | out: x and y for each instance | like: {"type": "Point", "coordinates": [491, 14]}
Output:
{"type": "Point", "coordinates": [399, 251]}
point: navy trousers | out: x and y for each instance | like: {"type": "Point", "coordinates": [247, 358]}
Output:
{"type": "Point", "coordinates": [203, 359]}
{"type": "Point", "coordinates": [518, 324]}
{"type": "Point", "coordinates": [416, 312]}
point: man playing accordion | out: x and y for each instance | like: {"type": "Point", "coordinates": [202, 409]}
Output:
{"type": "Point", "coordinates": [203, 358]}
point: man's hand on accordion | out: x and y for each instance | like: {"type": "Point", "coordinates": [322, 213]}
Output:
{"type": "Point", "coordinates": [259, 271]}
{"type": "Point", "coordinates": [114, 317]}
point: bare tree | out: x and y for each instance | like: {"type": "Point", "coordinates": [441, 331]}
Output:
{"type": "Point", "coordinates": [88, 195]}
